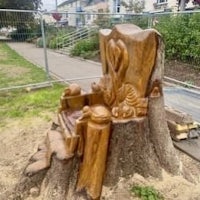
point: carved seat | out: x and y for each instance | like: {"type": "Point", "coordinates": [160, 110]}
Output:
{"type": "Point", "coordinates": [128, 56]}
{"type": "Point", "coordinates": [130, 77]}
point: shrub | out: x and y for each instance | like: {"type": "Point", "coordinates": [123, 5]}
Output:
{"type": "Point", "coordinates": [147, 193]}
{"type": "Point", "coordinates": [181, 34]}
{"type": "Point", "coordinates": [54, 36]}
{"type": "Point", "coordinates": [89, 54]}
{"type": "Point", "coordinates": [53, 44]}
{"type": "Point", "coordinates": [21, 34]}
{"type": "Point", "coordinates": [85, 47]}
{"type": "Point", "coordinates": [39, 43]}
{"type": "Point", "coordinates": [138, 20]}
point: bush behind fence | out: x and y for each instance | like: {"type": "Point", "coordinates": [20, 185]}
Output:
{"type": "Point", "coordinates": [19, 26]}
{"type": "Point", "coordinates": [181, 34]}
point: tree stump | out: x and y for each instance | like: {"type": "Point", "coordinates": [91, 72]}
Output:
{"type": "Point", "coordinates": [122, 129]}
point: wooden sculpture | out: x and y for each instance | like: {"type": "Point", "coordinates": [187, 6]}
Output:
{"type": "Point", "coordinates": [128, 58]}
{"type": "Point", "coordinates": [114, 131]}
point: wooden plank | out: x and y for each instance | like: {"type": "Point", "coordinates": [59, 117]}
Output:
{"type": "Point", "coordinates": [190, 146]}
{"type": "Point", "coordinates": [178, 116]}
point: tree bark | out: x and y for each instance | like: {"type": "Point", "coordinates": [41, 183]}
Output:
{"type": "Point", "coordinates": [60, 180]}
{"type": "Point", "coordinates": [160, 136]}
{"type": "Point", "coordinates": [131, 151]}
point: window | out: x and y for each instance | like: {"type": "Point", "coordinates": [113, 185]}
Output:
{"type": "Point", "coordinates": [162, 1]}
{"type": "Point", "coordinates": [116, 6]}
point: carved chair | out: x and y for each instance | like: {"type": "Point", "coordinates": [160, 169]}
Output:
{"type": "Point", "coordinates": [128, 56]}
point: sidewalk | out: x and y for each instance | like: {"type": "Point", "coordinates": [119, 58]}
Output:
{"type": "Point", "coordinates": [63, 66]}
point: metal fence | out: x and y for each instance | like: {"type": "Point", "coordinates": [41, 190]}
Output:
{"type": "Point", "coordinates": [180, 30]}
{"type": "Point", "coordinates": [17, 28]}
{"type": "Point", "coordinates": [61, 30]}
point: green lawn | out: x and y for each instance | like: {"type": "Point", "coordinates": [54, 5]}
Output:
{"type": "Point", "coordinates": [15, 70]}
{"type": "Point", "coordinates": [19, 103]}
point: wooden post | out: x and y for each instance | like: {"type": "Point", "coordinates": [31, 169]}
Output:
{"type": "Point", "coordinates": [93, 166]}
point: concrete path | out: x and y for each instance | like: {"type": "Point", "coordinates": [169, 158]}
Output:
{"type": "Point", "coordinates": [63, 66]}
{"type": "Point", "coordinates": [66, 67]}
{"type": "Point", "coordinates": [184, 100]}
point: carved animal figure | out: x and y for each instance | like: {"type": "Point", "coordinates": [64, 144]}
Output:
{"type": "Point", "coordinates": [72, 90]}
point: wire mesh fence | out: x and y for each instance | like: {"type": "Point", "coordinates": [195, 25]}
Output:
{"type": "Point", "coordinates": [16, 29]}
{"type": "Point", "coordinates": [180, 31]}
{"type": "Point", "coordinates": [20, 26]}
{"type": "Point", "coordinates": [64, 30]}
{"type": "Point", "coordinates": [61, 31]}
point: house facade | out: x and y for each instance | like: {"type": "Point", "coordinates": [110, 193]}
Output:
{"type": "Point", "coordinates": [74, 11]}
{"type": "Point", "coordinates": [160, 5]}
{"type": "Point", "coordinates": [83, 12]}
{"type": "Point", "coordinates": [116, 6]}
{"type": "Point", "coordinates": [67, 8]}
{"type": "Point", "coordinates": [163, 5]}
{"type": "Point", "coordinates": [93, 9]}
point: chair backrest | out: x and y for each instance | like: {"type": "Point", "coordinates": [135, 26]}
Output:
{"type": "Point", "coordinates": [128, 56]}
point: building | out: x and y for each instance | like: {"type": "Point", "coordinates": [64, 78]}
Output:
{"type": "Point", "coordinates": [74, 11]}
{"type": "Point", "coordinates": [116, 6]}
{"type": "Point", "coordinates": [48, 18]}
{"type": "Point", "coordinates": [163, 5]}
{"type": "Point", "coordinates": [92, 10]}
{"type": "Point", "coordinates": [68, 9]}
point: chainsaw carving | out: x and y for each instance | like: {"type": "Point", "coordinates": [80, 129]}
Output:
{"type": "Point", "coordinates": [128, 58]}
{"type": "Point", "coordinates": [95, 147]}
{"type": "Point", "coordinates": [128, 55]}
{"type": "Point", "coordinates": [87, 121]}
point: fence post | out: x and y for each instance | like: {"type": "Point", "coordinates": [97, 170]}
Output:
{"type": "Point", "coordinates": [44, 45]}
{"type": "Point", "coordinates": [149, 20]}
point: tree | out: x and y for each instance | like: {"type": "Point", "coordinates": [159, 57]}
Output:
{"type": "Point", "coordinates": [20, 4]}
{"type": "Point", "coordinates": [24, 22]}
{"type": "Point", "coordinates": [135, 6]}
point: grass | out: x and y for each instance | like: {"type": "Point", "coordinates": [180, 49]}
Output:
{"type": "Point", "coordinates": [18, 103]}
{"type": "Point", "coordinates": [146, 193]}
{"type": "Point", "coordinates": [15, 70]}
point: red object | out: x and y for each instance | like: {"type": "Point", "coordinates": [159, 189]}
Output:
{"type": "Point", "coordinates": [57, 16]}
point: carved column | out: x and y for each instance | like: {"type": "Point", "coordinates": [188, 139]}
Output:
{"type": "Point", "coordinates": [96, 141]}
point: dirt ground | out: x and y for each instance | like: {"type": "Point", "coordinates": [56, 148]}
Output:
{"type": "Point", "coordinates": [183, 72]}
{"type": "Point", "coordinates": [19, 139]}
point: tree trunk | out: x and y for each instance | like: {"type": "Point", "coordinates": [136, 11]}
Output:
{"type": "Point", "coordinates": [131, 151]}
{"type": "Point", "coordinates": [138, 144]}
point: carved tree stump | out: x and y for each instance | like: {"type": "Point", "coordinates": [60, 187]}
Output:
{"type": "Point", "coordinates": [72, 164]}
